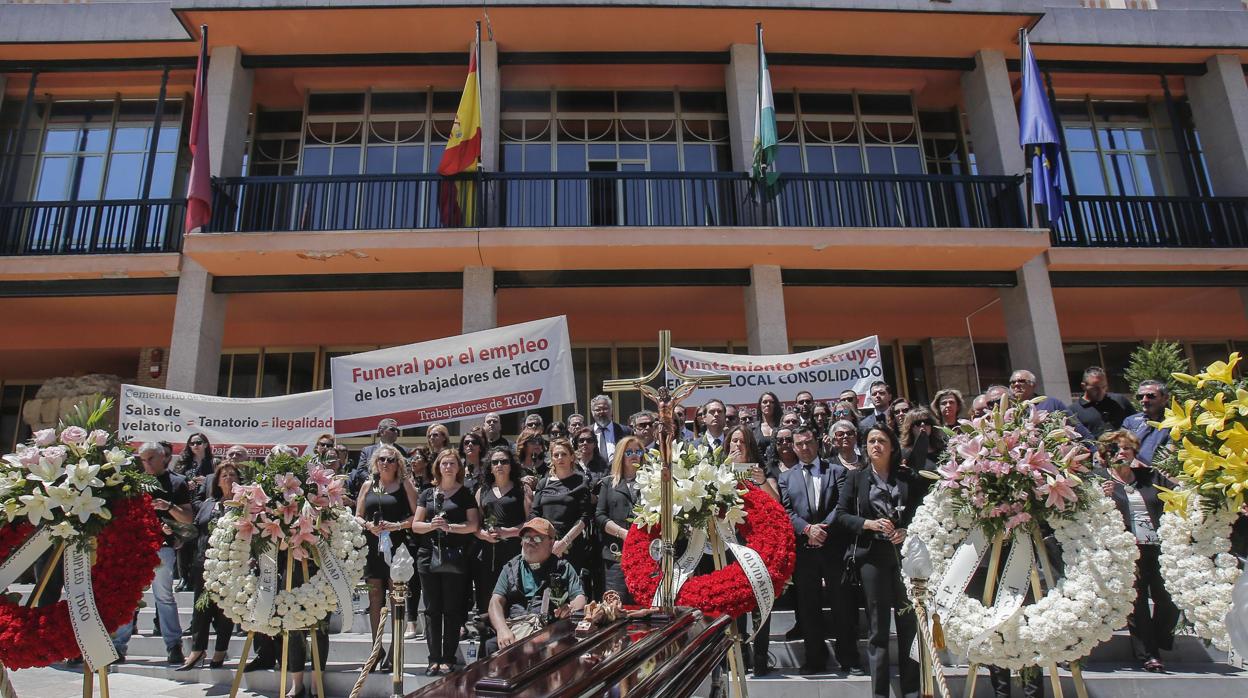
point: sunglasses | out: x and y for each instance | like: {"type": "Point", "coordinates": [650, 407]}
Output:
{"type": "Point", "coordinates": [320, 445]}
{"type": "Point", "coordinates": [501, 461]}
{"type": "Point", "coordinates": [472, 443]}
{"type": "Point", "coordinates": [197, 443]}
{"type": "Point", "coordinates": [533, 540]}
{"type": "Point", "coordinates": [1150, 396]}
{"type": "Point", "coordinates": [585, 440]}
{"type": "Point", "coordinates": [633, 452]}
{"type": "Point", "coordinates": [784, 439]}
{"type": "Point", "coordinates": [843, 435]}
{"type": "Point", "coordinates": [387, 459]}
{"type": "Point", "coordinates": [643, 425]}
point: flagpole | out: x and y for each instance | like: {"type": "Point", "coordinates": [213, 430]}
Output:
{"type": "Point", "coordinates": [1033, 216]}
{"type": "Point", "coordinates": [758, 116]}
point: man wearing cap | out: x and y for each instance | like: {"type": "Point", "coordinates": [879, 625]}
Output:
{"type": "Point", "coordinates": [533, 582]}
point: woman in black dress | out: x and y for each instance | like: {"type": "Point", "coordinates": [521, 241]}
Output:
{"type": "Point", "coordinates": [564, 499]}
{"type": "Point", "coordinates": [531, 452]}
{"type": "Point", "coordinates": [446, 517]}
{"type": "Point", "coordinates": [876, 505]}
{"type": "Point", "coordinates": [589, 459]}
{"type": "Point", "coordinates": [504, 502]}
{"type": "Point", "coordinates": [207, 512]}
{"type": "Point", "coordinates": [385, 503]}
{"type": "Point", "coordinates": [418, 472]}
{"type": "Point", "coordinates": [617, 495]}
{"type": "Point", "coordinates": [472, 457]}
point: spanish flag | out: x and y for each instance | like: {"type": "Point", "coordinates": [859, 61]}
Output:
{"type": "Point", "coordinates": [463, 151]}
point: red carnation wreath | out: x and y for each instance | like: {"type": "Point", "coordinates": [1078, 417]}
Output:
{"type": "Point", "coordinates": [766, 529]}
{"type": "Point", "coordinates": [127, 555]}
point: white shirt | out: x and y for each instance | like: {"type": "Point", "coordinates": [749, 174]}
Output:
{"type": "Point", "coordinates": [609, 430]}
{"type": "Point", "coordinates": [815, 480]}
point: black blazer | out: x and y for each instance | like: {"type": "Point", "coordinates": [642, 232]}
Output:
{"type": "Point", "coordinates": [793, 496]}
{"type": "Point", "coordinates": [615, 503]}
{"type": "Point", "coordinates": [853, 509]}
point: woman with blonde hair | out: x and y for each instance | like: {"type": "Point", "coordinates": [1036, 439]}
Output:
{"type": "Point", "coordinates": [386, 502]}
{"type": "Point", "coordinates": [617, 494]}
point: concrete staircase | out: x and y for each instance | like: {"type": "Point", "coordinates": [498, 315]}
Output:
{"type": "Point", "coordinates": [1194, 669]}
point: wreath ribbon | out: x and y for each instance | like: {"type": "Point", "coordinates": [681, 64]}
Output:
{"type": "Point", "coordinates": [337, 579]}
{"type": "Point", "coordinates": [1011, 586]}
{"type": "Point", "coordinates": [92, 637]}
{"type": "Point", "coordinates": [684, 566]}
{"type": "Point", "coordinates": [266, 587]}
{"type": "Point", "coordinates": [755, 572]}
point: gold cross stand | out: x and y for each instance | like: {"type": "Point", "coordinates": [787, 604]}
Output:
{"type": "Point", "coordinates": [666, 403]}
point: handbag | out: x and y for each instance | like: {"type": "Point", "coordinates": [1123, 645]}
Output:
{"type": "Point", "coordinates": [447, 559]}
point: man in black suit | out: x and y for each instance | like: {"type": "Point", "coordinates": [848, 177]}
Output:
{"type": "Point", "coordinates": [715, 417]}
{"type": "Point", "coordinates": [881, 396]}
{"type": "Point", "coordinates": [607, 431]}
{"type": "Point", "coordinates": [809, 492]}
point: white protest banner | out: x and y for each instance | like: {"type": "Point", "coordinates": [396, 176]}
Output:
{"type": "Point", "coordinates": [153, 414]}
{"type": "Point", "coordinates": [823, 372]}
{"type": "Point", "coordinates": [518, 367]}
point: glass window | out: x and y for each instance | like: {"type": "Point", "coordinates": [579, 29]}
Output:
{"type": "Point", "coordinates": [852, 133]}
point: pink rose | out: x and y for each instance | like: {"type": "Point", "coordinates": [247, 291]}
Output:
{"type": "Point", "coordinates": [73, 435]}
{"type": "Point", "coordinates": [55, 455]}
{"type": "Point", "coordinates": [45, 437]}
{"type": "Point", "coordinates": [28, 455]}
{"type": "Point", "coordinates": [99, 437]}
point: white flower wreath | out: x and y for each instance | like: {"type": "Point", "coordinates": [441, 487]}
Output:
{"type": "Point", "coordinates": [1082, 610]}
{"type": "Point", "coordinates": [228, 577]}
{"type": "Point", "coordinates": [1199, 569]}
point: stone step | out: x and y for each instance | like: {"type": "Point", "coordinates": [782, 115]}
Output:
{"type": "Point", "coordinates": [349, 648]}
{"type": "Point", "coordinates": [1103, 681]}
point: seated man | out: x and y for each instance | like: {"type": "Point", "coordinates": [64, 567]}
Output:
{"type": "Point", "coordinates": [535, 582]}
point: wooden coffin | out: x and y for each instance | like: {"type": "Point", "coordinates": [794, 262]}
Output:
{"type": "Point", "coordinates": [660, 656]}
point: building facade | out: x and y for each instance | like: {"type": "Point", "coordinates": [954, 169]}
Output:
{"type": "Point", "coordinates": [615, 145]}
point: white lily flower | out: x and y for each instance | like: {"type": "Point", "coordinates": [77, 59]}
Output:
{"type": "Point", "coordinates": [45, 471]}
{"type": "Point", "coordinates": [86, 505]}
{"type": "Point", "coordinates": [83, 475]}
{"type": "Point", "coordinates": [35, 507]}
{"type": "Point", "coordinates": [64, 530]}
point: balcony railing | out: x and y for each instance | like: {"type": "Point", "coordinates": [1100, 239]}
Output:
{"type": "Point", "coordinates": [597, 199]}
{"type": "Point", "coordinates": [91, 227]}
{"type": "Point", "coordinates": [1153, 221]}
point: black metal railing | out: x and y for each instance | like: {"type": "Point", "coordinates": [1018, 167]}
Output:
{"type": "Point", "coordinates": [91, 227]}
{"type": "Point", "coordinates": [593, 199]}
{"type": "Point", "coordinates": [1153, 221]}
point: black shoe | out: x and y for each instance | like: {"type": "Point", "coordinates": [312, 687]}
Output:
{"type": "Point", "coordinates": [216, 663]}
{"type": "Point", "coordinates": [856, 671]}
{"type": "Point", "coordinates": [793, 634]}
{"type": "Point", "coordinates": [762, 669]}
{"type": "Point", "coordinates": [385, 666]}
{"type": "Point", "coordinates": [812, 669]}
{"type": "Point", "coordinates": [432, 670]}
{"type": "Point", "coordinates": [121, 659]}
{"type": "Point", "coordinates": [175, 656]}
{"type": "Point", "coordinates": [303, 693]}
{"type": "Point", "coordinates": [259, 664]}
{"type": "Point", "coordinates": [76, 661]}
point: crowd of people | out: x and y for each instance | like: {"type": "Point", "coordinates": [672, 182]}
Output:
{"type": "Point", "coordinates": [506, 534]}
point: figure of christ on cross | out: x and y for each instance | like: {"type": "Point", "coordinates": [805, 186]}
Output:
{"type": "Point", "coordinates": [666, 403]}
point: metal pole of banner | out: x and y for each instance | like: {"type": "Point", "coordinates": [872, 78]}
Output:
{"type": "Point", "coordinates": [242, 663]}
{"type": "Point", "coordinates": [290, 570]}
{"type": "Point", "coordinates": [736, 660]}
{"type": "Point", "coordinates": [1076, 671]}
{"type": "Point", "coordinates": [46, 576]}
{"type": "Point", "coordinates": [990, 587]}
{"type": "Point", "coordinates": [317, 674]}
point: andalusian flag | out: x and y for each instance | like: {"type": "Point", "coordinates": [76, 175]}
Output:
{"type": "Point", "coordinates": [764, 167]}
{"type": "Point", "coordinates": [463, 150]}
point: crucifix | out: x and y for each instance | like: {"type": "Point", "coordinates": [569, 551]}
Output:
{"type": "Point", "coordinates": [666, 403]}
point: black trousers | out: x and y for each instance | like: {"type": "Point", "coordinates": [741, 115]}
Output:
{"type": "Point", "coordinates": [817, 579]}
{"type": "Point", "coordinates": [268, 648]}
{"type": "Point", "coordinates": [1153, 627]}
{"type": "Point", "coordinates": [886, 597]}
{"type": "Point", "coordinates": [1033, 687]}
{"type": "Point", "coordinates": [613, 580]}
{"type": "Point", "coordinates": [210, 618]}
{"type": "Point", "coordinates": [491, 559]}
{"type": "Point", "coordinates": [446, 609]}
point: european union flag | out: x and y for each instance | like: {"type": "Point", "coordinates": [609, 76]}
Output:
{"type": "Point", "coordinates": [1038, 135]}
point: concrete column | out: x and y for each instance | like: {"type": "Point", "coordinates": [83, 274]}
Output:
{"type": "Point", "coordinates": [994, 119]}
{"type": "Point", "coordinates": [229, 106]}
{"type": "Point", "coordinates": [953, 361]}
{"type": "Point", "coordinates": [491, 95]}
{"type": "Point", "coordinates": [765, 324]}
{"type": "Point", "coordinates": [1219, 100]}
{"type": "Point", "coordinates": [198, 326]}
{"type": "Point", "coordinates": [3, 80]}
{"type": "Point", "coordinates": [1032, 332]}
{"type": "Point", "coordinates": [480, 306]}
{"type": "Point", "coordinates": [741, 85]}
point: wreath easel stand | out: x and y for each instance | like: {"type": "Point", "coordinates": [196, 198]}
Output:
{"type": "Point", "coordinates": [88, 674]}
{"type": "Point", "coordinates": [316, 655]}
{"type": "Point", "coordinates": [736, 660]}
{"type": "Point", "coordinates": [1037, 590]}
